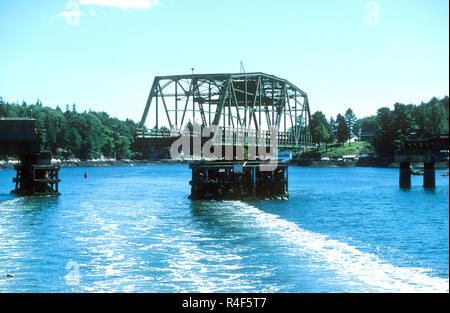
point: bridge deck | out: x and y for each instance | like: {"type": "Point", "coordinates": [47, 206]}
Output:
{"type": "Point", "coordinates": [230, 137]}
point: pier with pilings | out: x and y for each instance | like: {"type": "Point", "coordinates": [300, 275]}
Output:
{"type": "Point", "coordinates": [424, 150]}
{"type": "Point", "coordinates": [35, 175]}
{"type": "Point", "coordinates": [231, 180]}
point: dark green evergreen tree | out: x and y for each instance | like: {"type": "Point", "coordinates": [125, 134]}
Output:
{"type": "Point", "coordinates": [350, 119]}
{"type": "Point", "coordinates": [342, 131]}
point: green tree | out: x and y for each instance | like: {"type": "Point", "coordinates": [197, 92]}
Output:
{"type": "Point", "coordinates": [319, 128]}
{"type": "Point", "coordinates": [333, 125]}
{"type": "Point", "coordinates": [342, 131]}
{"type": "Point", "coordinates": [73, 142]}
{"type": "Point", "coordinates": [82, 135]}
{"type": "Point", "coordinates": [385, 134]}
{"type": "Point", "coordinates": [321, 133]}
{"type": "Point", "coordinates": [350, 119]}
{"type": "Point", "coordinates": [403, 121]}
{"type": "Point", "coordinates": [356, 130]}
{"type": "Point", "coordinates": [432, 118]}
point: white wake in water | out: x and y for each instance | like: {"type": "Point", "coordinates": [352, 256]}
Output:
{"type": "Point", "coordinates": [346, 260]}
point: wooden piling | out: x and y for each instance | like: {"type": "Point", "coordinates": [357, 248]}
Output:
{"type": "Point", "coordinates": [36, 176]}
{"type": "Point", "coordinates": [405, 175]}
{"type": "Point", "coordinates": [429, 176]}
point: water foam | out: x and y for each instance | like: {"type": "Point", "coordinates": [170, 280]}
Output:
{"type": "Point", "coordinates": [347, 261]}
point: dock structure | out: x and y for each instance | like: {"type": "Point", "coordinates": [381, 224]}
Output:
{"type": "Point", "coordinates": [423, 150]}
{"type": "Point", "coordinates": [245, 118]}
{"type": "Point", "coordinates": [222, 180]}
{"type": "Point", "coordinates": [35, 175]}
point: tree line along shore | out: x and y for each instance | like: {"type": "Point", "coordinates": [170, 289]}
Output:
{"type": "Point", "coordinates": [71, 135]}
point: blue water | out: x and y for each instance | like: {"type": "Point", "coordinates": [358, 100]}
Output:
{"type": "Point", "coordinates": [132, 229]}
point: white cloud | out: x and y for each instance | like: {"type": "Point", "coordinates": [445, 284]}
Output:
{"type": "Point", "coordinates": [72, 17]}
{"type": "Point", "coordinates": [70, 14]}
{"type": "Point", "coordinates": [123, 4]}
{"type": "Point", "coordinates": [73, 13]}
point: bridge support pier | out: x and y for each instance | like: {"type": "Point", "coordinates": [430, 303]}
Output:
{"type": "Point", "coordinates": [36, 175]}
{"type": "Point", "coordinates": [405, 175]}
{"type": "Point", "coordinates": [229, 180]}
{"type": "Point", "coordinates": [429, 177]}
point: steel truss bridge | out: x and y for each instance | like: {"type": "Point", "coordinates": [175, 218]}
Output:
{"type": "Point", "coordinates": [251, 103]}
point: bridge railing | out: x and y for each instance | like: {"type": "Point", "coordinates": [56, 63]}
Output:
{"type": "Point", "coordinates": [231, 136]}
{"type": "Point", "coordinates": [151, 133]}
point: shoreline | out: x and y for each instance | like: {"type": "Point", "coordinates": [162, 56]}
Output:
{"type": "Point", "coordinates": [106, 163]}
{"type": "Point", "coordinates": [353, 163]}
{"type": "Point", "coordinates": [293, 162]}
{"type": "Point", "coordinates": [101, 163]}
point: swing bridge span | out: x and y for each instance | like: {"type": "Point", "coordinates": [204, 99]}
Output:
{"type": "Point", "coordinates": [244, 109]}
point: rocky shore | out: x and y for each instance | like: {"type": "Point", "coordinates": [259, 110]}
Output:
{"type": "Point", "coordinates": [318, 163]}
{"type": "Point", "coordinates": [98, 163]}
{"type": "Point", "coordinates": [359, 163]}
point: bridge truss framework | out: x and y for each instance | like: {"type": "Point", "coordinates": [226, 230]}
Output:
{"type": "Point", "coordinates": [249, 102]}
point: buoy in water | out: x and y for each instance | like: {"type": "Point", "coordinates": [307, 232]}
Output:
{"type": "Point", "coordinates": [85, 175]}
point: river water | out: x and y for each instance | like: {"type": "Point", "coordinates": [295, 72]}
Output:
{"type": "Point", "coordinates": [132, 229]}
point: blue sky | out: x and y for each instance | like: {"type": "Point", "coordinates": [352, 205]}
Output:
{"type": "Point", "coordinates": [352, 53]}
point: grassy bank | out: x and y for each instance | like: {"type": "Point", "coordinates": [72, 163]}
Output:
{"type": "Point", "coordinates": [333, 152]}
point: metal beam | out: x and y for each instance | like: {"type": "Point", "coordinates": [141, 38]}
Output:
{"type": "Point", "coordinates": [149, 102]}
{"type": "Point", "coordinates": [255, 97]}
{"type": "Point", "coordinates": [221, 105]}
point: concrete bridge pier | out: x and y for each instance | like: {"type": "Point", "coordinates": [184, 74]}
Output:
{"type": "Point", "coordinates": [429, 177]}
{"type": "Point", "coordinates": [405, 175]}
